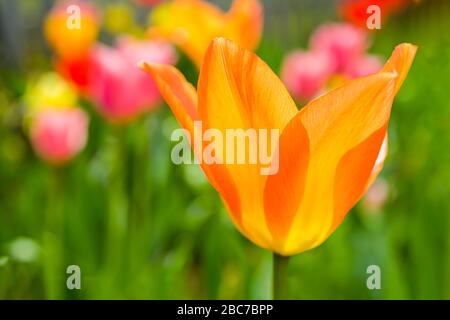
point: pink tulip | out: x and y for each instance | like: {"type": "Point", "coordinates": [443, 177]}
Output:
{"type": "Point", "coordinates": [364, 66]}
{"type": "Point", "coordinates": [376, 196]}
{"type": "Point", "coordinates": [57, 135]}
{"type": "Point", "coordinates": [344, 43]}
{"type": "Point", "coordinates": [306, 73]}
{"type": "Point", "coordinates": [120, 90]}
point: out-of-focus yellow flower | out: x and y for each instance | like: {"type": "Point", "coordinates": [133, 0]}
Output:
{"type": "Point", "coordinates": [193, 24]}
{"type": "Point", "coordinates": [71, 28]}
{"type": "Point", "coordinates": [329, 151]}
{"type": "Point", "coordinates": [118, 18]}
{"type": "Point", "coordinates": [49, 90]}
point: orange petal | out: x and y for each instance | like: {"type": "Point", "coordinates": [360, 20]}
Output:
{"type": "Point", "coordinates": [245, 15]}
{"type": "Point", "coordinates": [379, 163]}
{"type": "Point", "coordinates": [400, 62]}
{"type": "Point", "coordinates": [182, 99]}
{"type": "Point", "coordinates": [239, 91]}
{"type": "Point", "coordinates": [337, 123]}
{"type": "Point", "coordinates": [179, 94]}
{"type": "Point", "coordinates": [353, 174]}
{"type": "Point", "coordinates": [346, 128]}
{"type": "Point", "coordinates": [284, 190]}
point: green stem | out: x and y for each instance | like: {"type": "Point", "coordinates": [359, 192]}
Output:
{"type": "Point", "coordinates": [53, 236]}
{"type": "Point", "coordinates": [280, 285]}
{"type": "Point", "coordinates": [117, 213]}
{"type": "Point", "coordinates": [139, 204]}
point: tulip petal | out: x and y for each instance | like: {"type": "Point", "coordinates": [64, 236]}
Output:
{"type": "Point", "coordinates": [379, 163]}
{"type": "Point", "coordinates": [400, 62]}
{"type": "Point", "coordinates": [237, 90]}
{"type": "Point", "coordinates": [179, 93]}
{"type": "Point", "coordinates": [337, 123]}
{"type": "Point", "coordinates": [354, 173]}
{"type": "Point", "coordinates": [182, 99]}
{"type": "Point", "coordinates": [284, 190]}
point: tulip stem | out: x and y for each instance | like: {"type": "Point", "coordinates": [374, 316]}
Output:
{"type": "Point", "coordinates": [53, 235]}
{"type": "Point", "coordinates": [117, 213]}
{"type": "Point", "coordinates": [279, 284]}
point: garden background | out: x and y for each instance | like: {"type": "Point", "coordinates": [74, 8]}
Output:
{"type": "Point", "coordinates": [162, 231]}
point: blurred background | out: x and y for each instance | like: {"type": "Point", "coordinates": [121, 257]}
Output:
{"type": "Point", "coordinates": [141, 227]}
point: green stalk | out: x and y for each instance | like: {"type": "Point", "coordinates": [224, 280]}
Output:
{"type": "Point", "coordinates": [117, 214]}
{"type": "Point", "coordinates": [280, 285]}
{"type": "Point", "coordinates": [53, 236]}
{"type": "Point", "coordinates": [139, 204]}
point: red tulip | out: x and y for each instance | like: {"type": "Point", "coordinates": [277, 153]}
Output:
{"type": "Point", "coordinates": [355, 11]}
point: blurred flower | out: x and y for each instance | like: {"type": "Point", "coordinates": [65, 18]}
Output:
{"type": "Point", "coordinates": [119, 18]}
{"type": "Point", "coordinates": [306, 73]}
{"type": "Point", "coordinates": [68, 40]}
{"type": "Point", "coordinates": [76, 71]}
{"type": "Point", "coordinates": [337, 54]}
{"type": "Point", "coordinates": [57, 135]}
{"type": "Point", "coordinates": [355, 11]}
{"type": "Point", "coordinates": [327, 151]}
{"type": "Point", "coordinates": [343, 42]}
{"type": "Point", "coordinates": [364, 66]}
{"type": "Point", "coordinates": [24, 249]}
{"type": "Point", "coordinates": [193, 24]}
{"type": "Point", "coordinates": [49, 90]}
{"type": "Point", "coordinates": [376, 196]}
{"type": "Point", "coordinates": [148, 2]}
{"type": "Point", "coordinates": [117, 86]}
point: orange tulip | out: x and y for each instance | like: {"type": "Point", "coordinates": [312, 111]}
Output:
{"type": "Point", "coordinates": [193, 24]}
{"type": "Point", "coordinates": [327, 151]}
{"type": "Point", "coordinates": [71, 29]}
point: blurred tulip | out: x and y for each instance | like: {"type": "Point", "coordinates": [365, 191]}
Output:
{"type": "Point", "coordinates": [376, 196]}
{"type": "Point", "coordinates": [69, 40]}
{"type": "Point", "coordinates": [193, 24]}
{"type": "Point", "coordinates": [119, 18]}
{"type": "Point", "coordinates": [49, 90]}
{"type": "Point", "coordinates": [57, 135]}
{"type": "Point", "coordinates": [364, 66]}
{"type": "Point", "coordinates": [120, 90]}
{"type": "Point", "coordinates": [148, 2]}
{"type": "Point", "coordinates": [355, 11]}
{"type": "Point", "coordinates": [327, 151]}
{"type": "Point", "coordinates": [76, 71]}
{"type": "Point", "coordinates": [343, 42]}
{"type": "Point", "coordinates": [306, 73]}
